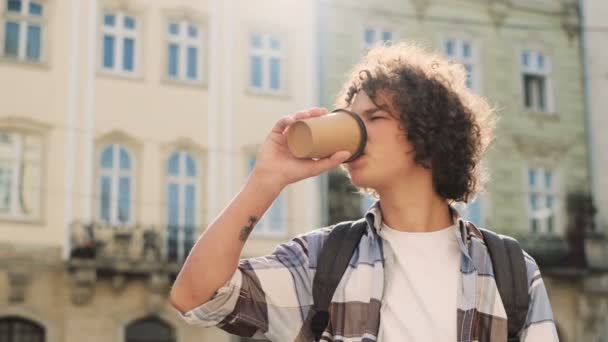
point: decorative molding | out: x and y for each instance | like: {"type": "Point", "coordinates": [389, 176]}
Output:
{"type": "Point", "coordinates": [158, 285]}
{"type": "Point", "coordinates": [186, 13]}
{"type": "Point", "coordinates": [499, 10]}
{"type": "Point", "coordinates": [24, 124]}
{"type": "Point", "coordinates": [18, 283]}
{"type": "Point", "coordinates": [118, 137]}
{"type": "Point", "coordinates": [421, 7]}
{"type": "Point", "coordinates": [127, 6]}
{"type": "Point", "coordinates": [151, 250]}
{"type": "Point", "coordinates": [186, 144]}
{"type": "Point", "coordinates": [158, 282]}
{"type": "Point", "coordinates": [83, 285]}
{"type": "Point", "coordinates": [119, 283]}
{"type": "Point", "coordinates": [547, 151]}
{"type": "Point", "coordinates": [570, 18]}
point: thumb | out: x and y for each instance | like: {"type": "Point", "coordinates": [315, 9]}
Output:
{"type": "Point", "coordinates": [340, 157]}
{"type": "Point", "coordinates": [331, 162]}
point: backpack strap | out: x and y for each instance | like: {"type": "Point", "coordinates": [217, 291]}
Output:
{"type": "Point", "coordinates": [333, 260]}
{"type": "Point", "coordinates": [511, 277]}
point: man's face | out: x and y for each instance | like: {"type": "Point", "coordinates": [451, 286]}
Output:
{"type": "Point", "coordinates": [388, 155]}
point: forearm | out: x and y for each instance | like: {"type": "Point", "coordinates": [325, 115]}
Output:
{"type": "Point", "coordinates": [215, 256]}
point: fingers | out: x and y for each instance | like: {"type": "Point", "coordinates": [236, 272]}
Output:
{"type": "Point", "coordinates": [282, 124]}
{"type": "Point", "coordinates": [306, 114]}
{"type": "Point", "coordinates": [318, 112]}
{"type": "Point", "coordinates": [340, 157]}
{"type": "Point", "coordinates": [301, 115]}
{"type": "Point", "coordinates": [331, 162]}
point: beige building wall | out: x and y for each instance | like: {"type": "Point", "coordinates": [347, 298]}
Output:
{"type": "Point", "coordinates": [65, 108]}
{"type": "Point", "coordinates": [594, 14]}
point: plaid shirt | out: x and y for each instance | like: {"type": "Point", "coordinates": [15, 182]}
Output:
{"type": "Point", "coordinates": [271, 297]}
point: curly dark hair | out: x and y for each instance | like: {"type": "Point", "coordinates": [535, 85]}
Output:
{"type": "Point", "coordinates": [449, 126]}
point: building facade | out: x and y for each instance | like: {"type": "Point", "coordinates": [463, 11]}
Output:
{"type": "Point", "coordinates": [125, 127]}
{"type": "Point", "coordinates": [596, 81]}
{"type": "Point", "coordinates": [525, 58]}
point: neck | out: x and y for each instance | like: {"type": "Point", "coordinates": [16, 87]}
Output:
{"type": "Point", "coordinates": [414, 206]}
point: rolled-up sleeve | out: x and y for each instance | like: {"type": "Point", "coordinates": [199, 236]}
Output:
{"type": "Point", "coordinates": [220, 305]}
{"type": "Point", "coordinates": [267, 296]}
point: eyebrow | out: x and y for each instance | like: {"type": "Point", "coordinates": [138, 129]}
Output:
{"type": "Point", "coordinates": [368, 112]}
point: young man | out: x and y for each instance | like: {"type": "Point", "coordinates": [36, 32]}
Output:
{"type": "Point", "coordinates": [419, 273]}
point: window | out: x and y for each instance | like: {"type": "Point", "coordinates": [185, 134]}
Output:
{"type": "Point", "coordinates": [274, 222]}
{"type": "Point", "coordinates": [116, 185]}
{"type": "Point", "coordinates": [150, 329]}
{"type": "Point", "coordinates": [20, 175]}
{"type": "Point", "coordinates": [541, 200]}
{"type": "Point", "coordinates": [463, 51]}
{"type": "Point", "coordinates": [23, 26]}
{"type": "Point", "coordinates": [17, 329]}
{"type": "Point", "coordinates": [184, 51]}
{"type": "Point", "coordinates": [376, 35]}
{"type": "Point", "coordinates": [181, 204]}
{"type": "Point", "coordinates": [119, 43]}
{"type": "Point", "coordinates": [536, 78]}
{"type": "Point", "coordinates": [266, 63]}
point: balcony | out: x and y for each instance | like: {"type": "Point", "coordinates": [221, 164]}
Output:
{"type": "Point", "coordinates": [123, 253]}
{"type": "Point", "coordinates": [133, 248]}
{"type": "Point", "coordinates": [576, 253]}
{"type": "Point", "coordinates": [596, 252]}
{"type": "Point", "coordinates": [580, 256]}
{"type": "Point", "coordinates": [549, 251]}
{"type": "Point", "coordinates": [582, 251]}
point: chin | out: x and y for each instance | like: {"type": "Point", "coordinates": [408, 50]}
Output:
{"type": "Point", "coordinates": [360, 179]}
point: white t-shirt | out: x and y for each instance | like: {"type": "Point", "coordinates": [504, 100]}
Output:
{"type": "Point", "coordinates": [421, 285]}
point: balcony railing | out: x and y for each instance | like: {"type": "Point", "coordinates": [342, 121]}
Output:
{"type": "Point", "coordinates": [581, 251]}
{"type": "Point", "coordinates": [131, 248]}
{"type": "Point", "coordinates": [582, 254]}
{"type": "Point", "coordinates": [548, 251]}
{"type": "Point", "coordinates": [596, 252]}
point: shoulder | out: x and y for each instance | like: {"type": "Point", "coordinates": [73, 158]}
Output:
{"type": "Point", "coordinates": [308, 244]}
{"type": "Point", "coordinates": [532, 269]}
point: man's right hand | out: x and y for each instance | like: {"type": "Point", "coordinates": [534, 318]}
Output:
{"type": "Point", "coordinates": [215, 256]}
{"type": "Point", "coordinates": [279, 167]}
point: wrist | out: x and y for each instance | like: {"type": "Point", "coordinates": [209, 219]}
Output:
{"type": "Point", "coordinates": [266, 182]}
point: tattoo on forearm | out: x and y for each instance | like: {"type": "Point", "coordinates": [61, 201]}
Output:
{"type": "Point", "coordinates": [247, 229]}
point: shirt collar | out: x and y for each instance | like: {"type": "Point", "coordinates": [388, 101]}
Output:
{"type": "Point", "coordinates": [464, 232]}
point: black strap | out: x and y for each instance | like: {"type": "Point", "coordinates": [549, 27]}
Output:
{"type": "Point", "coordinates": [333, 260]}
{"type": "Point", "coordinates": [507, 257]}
{"type": "Point", "coordinates": [511, 277]}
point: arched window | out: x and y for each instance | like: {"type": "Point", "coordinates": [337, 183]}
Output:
{"type": "Point", "coordinates": [150, 329]}
{"type": "Point", "coordinates": [182, 188]}
{"type": "Point", "coordinates": [17, 329]}
{"type": "Point", "coordinates": [116, 184]}
{"type": "Point", "coordinates": [20, 175]}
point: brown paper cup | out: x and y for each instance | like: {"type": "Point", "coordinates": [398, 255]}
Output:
{"type": "Point", "coordinates": [323, 136]}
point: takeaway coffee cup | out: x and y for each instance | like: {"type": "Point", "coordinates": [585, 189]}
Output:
{"type": "Point", "coordinates": [320, 137]}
